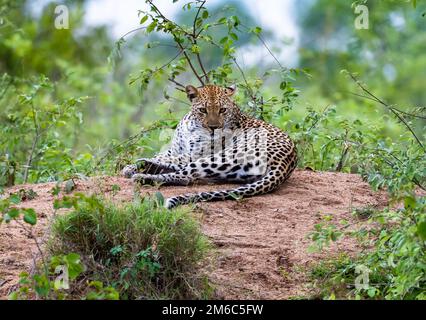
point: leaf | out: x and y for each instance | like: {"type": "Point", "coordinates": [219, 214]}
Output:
{"type": "Point", "coordinates": [421, 230]}
{"type": "Point", "coordinates": [75, 267]}
{"type": "Point", "coordinates": [160, 198]}
{"type": "Point", "coordinates": [13, 213]}
{"type": "Point", "coordinates": [410, 202]}
{"type": "Point", "coordinates": [151, 26]}
{"type": "Point", "coordinates": [30, 216]}
{"type": "Point", "coordinates": [6, 218]}
{"type": "Point", "coordinates": [257, 30]}
{"type": "Point", "coordinates": [69, 186]}
{"type": "Point", "coordinates": [55, 190]}
{"type": "Point", "coordinates": [15, 198]}
{"type": "Point", "coordinates": [41, 285]}
{"type": "Point", "coordinates": [143, 20]}
{"type": "Point", "coordinates": [195, 49]}
{"type": "Point", "coordinates": [371, 292]}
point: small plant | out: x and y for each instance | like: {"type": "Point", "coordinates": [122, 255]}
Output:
{"type": "Point", "coordinates": [395, 262]}
{"type": "Point", "coordinates": [140, 249]}
{"type": "Point", "coordinates": [50, 279]}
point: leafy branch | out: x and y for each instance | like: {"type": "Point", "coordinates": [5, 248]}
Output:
{"type": "Point", "coordinates": [396, 112]}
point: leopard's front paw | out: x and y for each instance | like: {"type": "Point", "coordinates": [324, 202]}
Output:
{"type": "Point", "coordinates": [142, 179]}
{"type": "Point", "coordinates": [129, 171]}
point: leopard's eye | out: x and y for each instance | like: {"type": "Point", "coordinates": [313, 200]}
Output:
{"type": "Point", "coordinates": [222, 110]}
{"type": "Point", "coordinates": [202, 110]}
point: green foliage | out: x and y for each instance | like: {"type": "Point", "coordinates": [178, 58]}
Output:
{"type": "Point", "coordinates": [57, 280]}
{"type": "Point", "coordinates": [396, 261]}
{"type": "Point", "coordinates": [30, 138]}
{"type": "Point", "coordinates": [53, 279]}
{"type": "Point", "coordinates": [10, 212]}
{"type": "Point", "coordinates": [206, 35]}
{"type": "Point", "coordinates": [140, 249]}
{"type": "Point", "coordinates": [50, 130]}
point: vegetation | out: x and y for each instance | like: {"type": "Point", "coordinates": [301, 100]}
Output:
{"type": "Point", "coordinates": [140, 249]}
{"type": "Point", "coordinates": [76, 103]}
{"type": "Point", "coordinates": [134, 251]}
{"type": "Point", "coordinates": [396, 265]}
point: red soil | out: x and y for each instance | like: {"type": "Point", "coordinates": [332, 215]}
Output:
{"type": "Point", "coordinates": [261, 242]}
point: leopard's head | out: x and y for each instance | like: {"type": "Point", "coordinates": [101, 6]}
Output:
{"type": "Point", "coordinates": [213, 106]}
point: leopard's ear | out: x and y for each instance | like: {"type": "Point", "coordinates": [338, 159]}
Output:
{"type": "Point", "coordinates": [191, 92]}
{"type": "Point", "coordinates": [230, 90]}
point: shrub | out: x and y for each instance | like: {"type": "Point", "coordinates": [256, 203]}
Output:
{"type": "Point", "coordinates": [140, 249]}
{"type": "Point", "coordinates": [395, 262]}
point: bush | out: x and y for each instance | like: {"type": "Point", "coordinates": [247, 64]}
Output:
{"type": "Point", "coordinates": [395, 262]}
{"type": "Point", "coordinates": [141, 250]}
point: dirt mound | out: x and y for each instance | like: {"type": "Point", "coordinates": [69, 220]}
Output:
{"type": "Point", "coordinates": [261, 244]}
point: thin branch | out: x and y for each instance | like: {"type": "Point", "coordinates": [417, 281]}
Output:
{"type": "Point", "coordinates": [6, 89]}
{"type": "Point", "coordinates": [40, 251]}
{"type": "Point", "coordinates": [234, 60]}
{"type": "Point", "coordinates": [194, 27]}
{"type": "Point", "coordinates": [409, 114]}
{"type": "Point", "coordinates": [396, 109]}
{"type": "Point", "coordinates": [153, 6]}
{"type": "Point", "coordinates": [345, 151]}
{"type": "Point", "coordinates": [129, 141]}
{"type": "Point", "coordinates": [190, 63]}
{"type": "Point", "coordinates": [34, 144]}
{"type": "Point", "coordinates": [400, 117]}
{"type": "Point", "coordinates": [131, 31]}
{"type": "Point", "coordinates": [189, 35]}
{"type": "Point", "coordinates": [178, 100]}
{"type": "Point", "coordinates": [266, 47]}
{"type": "Point", "coordinates": [194, 41]}
{"type": "Point", "coordinates": [180, 85]}
{"type": "Point", "coordinates": [171, 60]}
{"type": "Point", "coordinates": [206, 76]}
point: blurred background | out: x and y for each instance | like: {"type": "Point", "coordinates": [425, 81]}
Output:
{"type": "Point", "coordinates": [316, 39]}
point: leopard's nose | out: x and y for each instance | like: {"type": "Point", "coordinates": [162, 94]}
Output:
{"type": "Point", "coordinates": [214, 127]}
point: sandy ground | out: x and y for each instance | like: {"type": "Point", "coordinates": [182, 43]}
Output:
{"type": "Point", "coordinates": [261, 242]}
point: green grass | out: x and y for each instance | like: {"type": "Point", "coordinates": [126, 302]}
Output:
{"type": "Point", "coordinates": [140, 249]}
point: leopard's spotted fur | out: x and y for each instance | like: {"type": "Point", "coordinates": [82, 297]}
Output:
{"type": "Point", "coordinates": [216, 142]}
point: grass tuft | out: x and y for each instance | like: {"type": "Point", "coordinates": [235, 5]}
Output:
{"type": "Point", "coordinates": [141, 249]}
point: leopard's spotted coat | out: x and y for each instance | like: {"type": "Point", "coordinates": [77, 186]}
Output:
{"type": "Point", "coordinates": [216, 142]}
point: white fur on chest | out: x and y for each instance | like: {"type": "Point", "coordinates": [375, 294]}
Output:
{"type": "Point", "coordinates": [192, 138]}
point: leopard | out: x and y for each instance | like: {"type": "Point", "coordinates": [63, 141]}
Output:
{"type": "Point", "coordinates": [216, 142]}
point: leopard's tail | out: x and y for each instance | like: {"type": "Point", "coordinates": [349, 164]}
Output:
{"type": "Point", "coordinates": [270, 181]}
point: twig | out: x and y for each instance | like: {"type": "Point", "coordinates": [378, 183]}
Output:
{"type": "Point", "coordinates": [396, 109]}
{"type": "Point", "coordinates": [206, 76]}
{"type": "Point", "coordinates": [189, 36]}
{"type": "Point", "coordinates": [34, 144]}
{"type": "Point", "coordinates": [153, 6]}
{"type": "Point", "coordinates": [40, 251]}
{"type": "Point", "coordinates": [190, 63]}
{"type": "Point", "coordinates": [180, 85]}
{"type": "Point", "coordinates": [196, 17]}
{"type": "Point", "coordinates": [346, 147]}
{"type": "Point", "coordinates": [131, 31]}
{"type": "Point", "coordinates": [266, 47]}
{"type": "Point", "coordinates": [194, 40]}
{"type": "Point", "coordinates": [6, 89]}
{"type": "Point", "coordinates": [178, 100]}
{"type": "Point", "coordinates": [378, 100]}
{"type": "Point", "coordinates": [128, 141]}
{"type": "Point", "coordinates": [249, 88]}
